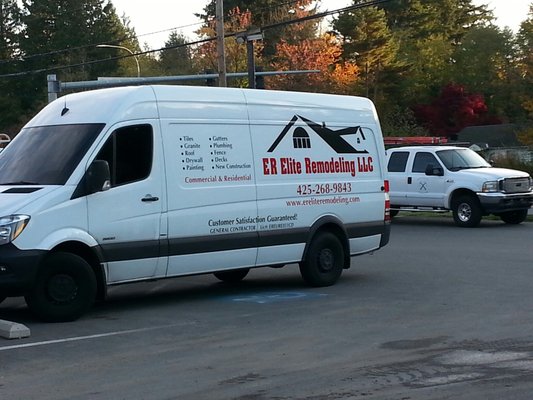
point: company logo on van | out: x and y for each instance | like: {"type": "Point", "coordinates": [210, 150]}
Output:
{"type": "Point", "coordinates": [348, 163]}
{"type": "Point", "coordinates": [333, 138]}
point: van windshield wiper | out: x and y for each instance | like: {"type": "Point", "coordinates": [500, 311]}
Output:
{"type": "Point", "coordinates": [17, 183]}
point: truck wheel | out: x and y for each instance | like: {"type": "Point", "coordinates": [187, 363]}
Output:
{"type": "Point", "coordinates": [324, 261]}
{"type": "Point", "coordinates": [466, 211]}
{"type": "Point", "coordinates": [514, 217]}
{"type": "Point", "coordinates": [65, 288]}
{"type": "Point", "coordinates": [2, 298]}
{"type": "Point", "coordinates": [232, 276]}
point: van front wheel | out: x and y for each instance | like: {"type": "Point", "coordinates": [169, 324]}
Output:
{"type": "Point", "coordinates": [324, 261]}
{"type": "Point", "coordinates": [65, 288]}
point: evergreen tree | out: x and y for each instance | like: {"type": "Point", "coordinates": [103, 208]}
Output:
{"type": "Point", "coordinates": [65, 32]}
{"type": "Point", "coordinates": [9, 26]}
{"type": "Point", "coordinates": [367, 41]}
{"type": "Point", "coordinates": [176, 60]}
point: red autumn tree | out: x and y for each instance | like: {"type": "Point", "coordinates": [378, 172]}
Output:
{"type": "Point", "coordinates": [454, 110]}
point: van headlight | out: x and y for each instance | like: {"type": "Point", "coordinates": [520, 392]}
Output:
{"type": "Point", "coordinates": [490, 187]}
{"type": "Point", "coordinates": [12, 226]}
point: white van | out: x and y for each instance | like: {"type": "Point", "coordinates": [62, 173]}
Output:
{"type": "Point", "coordinates": [139, 183]}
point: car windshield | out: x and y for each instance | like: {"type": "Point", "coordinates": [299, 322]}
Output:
{"type": "Point", "coordinates": [457, 159]}
{"type": "Point", "coordinates": [46, 155]}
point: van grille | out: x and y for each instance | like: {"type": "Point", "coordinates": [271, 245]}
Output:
{"type": "Point", "coordinates": [516, 185]}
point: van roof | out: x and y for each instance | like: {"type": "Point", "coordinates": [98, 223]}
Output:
{"type": "Point", "coordinates": [153, 101]}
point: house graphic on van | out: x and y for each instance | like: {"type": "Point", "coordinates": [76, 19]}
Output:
{"type": "Point", "coordinates": [333, 138]}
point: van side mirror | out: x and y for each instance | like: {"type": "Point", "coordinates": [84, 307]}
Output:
{"type": "Point", "coordinates": [434, 171]}
{"type": "Point", "coordinates": [98, 177]}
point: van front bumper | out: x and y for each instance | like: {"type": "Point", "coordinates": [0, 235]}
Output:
{"type": "Point", "coordinates": [502, 202]}
{"type": "Point", "coordinates": [18, 269]}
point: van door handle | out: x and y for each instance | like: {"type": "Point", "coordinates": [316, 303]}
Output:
{"type": "Point", "coordinates": [409, 180]}
{"type": "Point", "coordinates": [149, 198]}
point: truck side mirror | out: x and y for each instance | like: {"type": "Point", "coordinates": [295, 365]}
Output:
{"type": "Point", "coordinates": [98, 177]}
{"type": "Point", "coordinates": [434, 171]}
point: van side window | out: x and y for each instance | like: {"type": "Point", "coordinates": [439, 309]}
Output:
{"type": "Point", "coordinates": [398, 161]}
{"type": "Point", "coordinates": [129, 153]}
{"type": "Point", "coordinates": [422, 160]}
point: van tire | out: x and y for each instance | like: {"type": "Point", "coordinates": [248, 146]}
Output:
{"type": "Point", "coordinates": [65, 288]}
{"type": "Point", "coordinates": [466, 211]}
{"type": "Point", "coordinates": [324, 260]}
{"type": "Point", "coordinates": [514, 217]}
{"type": "Point", "coordinates": [233, 276]}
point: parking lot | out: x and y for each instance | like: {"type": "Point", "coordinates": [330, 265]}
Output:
{"type": "Point", "coordinates": [440, 313]}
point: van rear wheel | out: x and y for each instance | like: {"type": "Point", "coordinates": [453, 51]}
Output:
{"type": "Point", "coordinates": [232, 276]}
{"type": "Point", "coordinates": [324, 261]}
{"type": "Point", "coordinates": [65, 288]}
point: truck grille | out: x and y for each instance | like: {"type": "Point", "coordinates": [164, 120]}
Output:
{"type": "Point", "coordinates": [516, 185]}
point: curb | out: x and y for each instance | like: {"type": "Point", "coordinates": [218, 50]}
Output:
{"type": "Point", "coordinates": [13, 330]}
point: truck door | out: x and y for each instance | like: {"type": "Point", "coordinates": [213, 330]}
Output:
{"type": "Point", "coordinates": [423, 189]}
{"type": "Point", "coordinates": [126, 219]}
{"type": "Point", "coordinates": [398, 179]}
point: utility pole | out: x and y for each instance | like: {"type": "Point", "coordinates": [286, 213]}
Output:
{"type": "Point", "coordinates": [221, 56]}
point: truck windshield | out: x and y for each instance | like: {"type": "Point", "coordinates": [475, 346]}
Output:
{"type": "Point", "coordinates": [457, 159]}
{"type": "Point", "coordinates": [46, 155]}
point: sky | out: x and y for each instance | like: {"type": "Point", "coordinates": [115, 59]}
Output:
{"type": "Point", "coordinates": [164, 15]}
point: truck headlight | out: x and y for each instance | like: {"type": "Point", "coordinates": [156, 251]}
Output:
{"type": "Point", "coordinates": [12, 226]}
{"type": "Point", "coordinates": [490, 186]}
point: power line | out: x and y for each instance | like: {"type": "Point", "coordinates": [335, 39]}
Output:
{"type": "Point", "coordinates": [200, 41]}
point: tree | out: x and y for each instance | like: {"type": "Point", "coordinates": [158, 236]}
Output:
{"type": "Point", "coordinates": [454, 110]}
{"type": "Point", "coordinates": [323, 54]}
{"type": "Point", "coordinates": [525, 62]}
{"type": "Point", "coordinates": [205, 56]}
{"type": "Point", "coordinates": [66, 32]}
{"type": "Point", "coordinates": [268, 12]}
{"type": "Point", "coordinates": [486, 60]}
{"type": "Point", "coordinates": [367, 41]}
{"type": "Point", "coordinates": [9, 27]}
{"type": "Point", "coordinates": [177, 59]}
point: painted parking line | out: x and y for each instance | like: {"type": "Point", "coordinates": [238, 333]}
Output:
{"type": "Point", "coordinates": [275, 297]}
{"type": "Point", "coordinates": [88, 337]}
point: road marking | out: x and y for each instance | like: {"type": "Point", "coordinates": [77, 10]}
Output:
{"type": "Point", "coordinates": [88, 337]}
{"type": "Point", "coordinates": [275, 297]}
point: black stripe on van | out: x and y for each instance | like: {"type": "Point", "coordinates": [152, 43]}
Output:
{"type": "Point", "coordinates": [215, 243]}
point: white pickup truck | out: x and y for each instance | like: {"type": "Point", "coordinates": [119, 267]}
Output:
{"type": "Point", "coordinates": [444, 178]}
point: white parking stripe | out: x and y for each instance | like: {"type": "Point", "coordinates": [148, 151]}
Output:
{"type": "Point", "coordinates": [75, 339]}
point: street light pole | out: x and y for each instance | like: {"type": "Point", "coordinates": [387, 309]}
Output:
{"type": "Point", "coordinates": [112, 46]}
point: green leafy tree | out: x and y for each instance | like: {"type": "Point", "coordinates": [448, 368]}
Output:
{"type": "Point", "coordinates": [9, 27]}
{"type": "Point", "coordinates": [525, 63]}
{"type": "Point", "coordinates": [486, 60]}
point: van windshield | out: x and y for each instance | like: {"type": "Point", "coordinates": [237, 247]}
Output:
{"type": "Point", "coordinates": [458, 159]}
{"type": "Point", "coordinates": [46, 155]}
